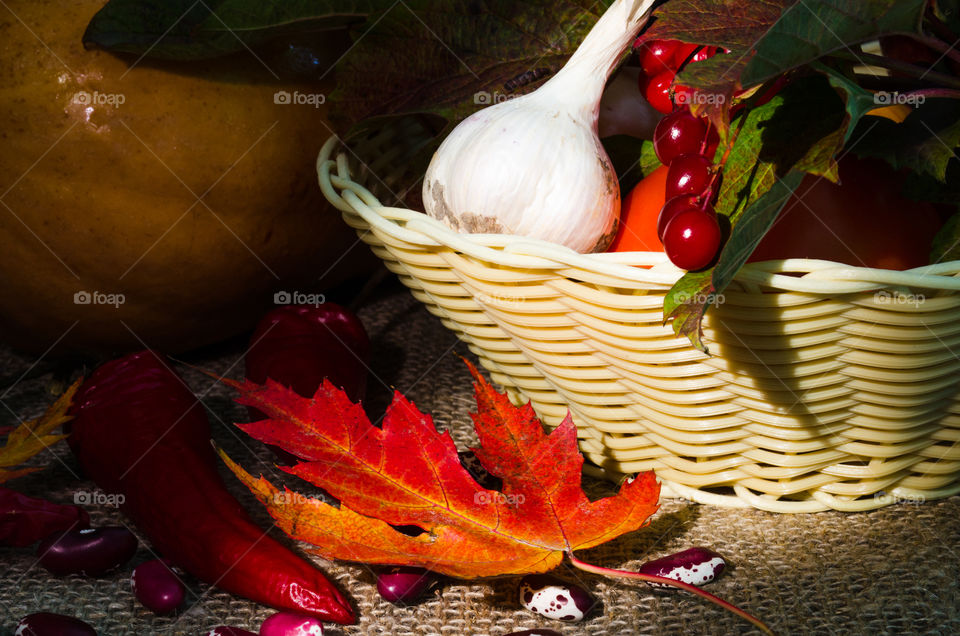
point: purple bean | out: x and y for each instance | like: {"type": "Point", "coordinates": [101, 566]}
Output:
{"type": "Point", "coordinates": [696, 566]}
{"type": "Point", "coordinates": [551, 597]}
{"type": "Point", "coordinates": [223, 630]}
{"type": "Point", "coordinates": [291, 624]}
{"type": "Point", "coordinates": [157, 587]}
{"type": "Point", "coordinates": [91, 551]}
{"type": "Point", "coordinates": [47, 624]}
{"type": "Point", "coordinates": [404, 585]}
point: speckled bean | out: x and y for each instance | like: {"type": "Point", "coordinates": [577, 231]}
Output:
{"type": "Point", "coordinates": [696, 566]}
{"type": "Point", "coordinates": [291, 624]}
{"type": "Point", "coordinates": [553, 598]}
{"type": "Point", "coordinates": [224, 630]}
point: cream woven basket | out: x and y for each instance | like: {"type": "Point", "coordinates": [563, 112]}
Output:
{"type": "Point", "coordinates": [827, 387]}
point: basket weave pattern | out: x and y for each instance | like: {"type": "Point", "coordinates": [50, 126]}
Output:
{"type": "Point", "coordinates": [828, 387]}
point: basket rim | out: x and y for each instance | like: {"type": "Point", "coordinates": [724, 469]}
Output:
{"type": "Point", "coordinates": [794, 275]}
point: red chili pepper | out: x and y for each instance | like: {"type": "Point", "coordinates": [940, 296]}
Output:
{"type": "Point", "coordinates": [301, 345]}
{"type": "Point", "coordinates": [139, 431]}
{"type": "Point", "coordinates": [25, 520]}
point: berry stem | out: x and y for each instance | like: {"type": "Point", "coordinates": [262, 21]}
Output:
{"type": "Point", "coordinates": [636, 576]}
{"type": "Point", "coordinates": [720, 165]}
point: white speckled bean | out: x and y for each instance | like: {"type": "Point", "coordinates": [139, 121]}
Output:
{"type": "Point", "coordinates": [553, 598]}
{"type": "Point", "coordinates": [696, 566]}
{"type": "Point", "coordinates": [224, 630]}
{"type": "Point", "coordinates": [291, 624]}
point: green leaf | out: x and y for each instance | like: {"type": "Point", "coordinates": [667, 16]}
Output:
{"type": "Point", "coordinates": [753, 224]}
{"type": "Point", "coordinates": [802, 127]}
{"type": "Point", "coordinates": [648, 158]}
{"type": "Point", "coordinates": [946, 244]}
{"type": "Point", "coordinates": [190, 30]}
{"type": "Point", "coordinates": [688, 300]}
{"type": "Point", "coordinates": [923, 187]}
{"type": "Point", "coordinates": [732, 24]}
{"type": "Point", "coordinates": [800, 130]}
{"type": "Point", "coordinates": [813, 28]}
{"type": "Point", "coordinates": [859, 101]}
{"type": "Point", "coordinates": [453, 57]}
{"type": "Point", "coordinates": [925, 142]}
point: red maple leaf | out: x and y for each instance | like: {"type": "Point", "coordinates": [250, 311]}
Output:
{"type": "Point", "coordinates": [408, 473]}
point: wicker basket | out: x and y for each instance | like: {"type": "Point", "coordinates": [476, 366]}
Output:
{"type": "Point", "coordinates": [828, 387]}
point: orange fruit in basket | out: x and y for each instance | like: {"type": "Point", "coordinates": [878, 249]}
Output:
{"type": "Point", "coordinates": [639, 213]}
{"type": "Point", "coordinates": [189, 189]}
{"type": "Point", "coordinates": [864, 221]}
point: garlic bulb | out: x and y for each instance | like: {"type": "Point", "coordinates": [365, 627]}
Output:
{"type": "Point", "coordinates": [534, 165]}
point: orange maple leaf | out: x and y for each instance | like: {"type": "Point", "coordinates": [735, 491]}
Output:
{"type": "Point", "coordinates": [407, 473]}
{"type": "Point", "coordinates": [31, 437]}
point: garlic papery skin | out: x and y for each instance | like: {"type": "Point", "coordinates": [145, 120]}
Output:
{"type": "Point", "coordinates": [534, 165]}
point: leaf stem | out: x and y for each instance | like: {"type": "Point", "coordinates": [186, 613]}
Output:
{"type": "Point", "coordinates": [937, 45]}
{"type": "Point", "coordinates": [934, 93]}
{"type": "Point", "coordinates": [938, 26]}
{"type": "Point", "coordinates": [896, 65]}
{"type": "Point", "coordinates": [623, 574]}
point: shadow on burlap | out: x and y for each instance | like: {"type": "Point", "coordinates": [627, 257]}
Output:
{"type": "Point", "coordinates": [892, 571]}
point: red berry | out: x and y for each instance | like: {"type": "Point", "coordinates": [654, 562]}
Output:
{"type": "Point", "coordinates": [679, 133]}
{"type": "Point", "coordinates": [683, 95]}
{"type": "Point", "coordinates": [692, 239]}
{"type": "Point", "coordinates": [657, 56]}
{"type": "Point", "coordinates": [681, 54]}
{"type": "Point", "coordinates": [671, 208]}
{"type": "Point", "coordinates": [709, 147]}
{"type": "Point", "coordinates": [688, 174]}
{"type": "Point", "coordinates": [657, 91]}
{"type": "Point", "coordinates": [675, 206]}
{"type": "Point", "coordinates": [705, 53]}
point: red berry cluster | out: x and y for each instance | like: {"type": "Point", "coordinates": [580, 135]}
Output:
{"type": "Point", "coordinates": [687, 225]}
{"type": "Point", "coordinates": [661, 60]}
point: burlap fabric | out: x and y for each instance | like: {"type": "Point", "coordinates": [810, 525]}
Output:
{"type": "Point", "coordinates": [892, 571]}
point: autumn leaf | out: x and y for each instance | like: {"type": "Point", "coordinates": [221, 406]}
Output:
{"type": "Point", "coordinates": [31, 437]}
{"type": "Point", "coordinates": [408, 473]}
